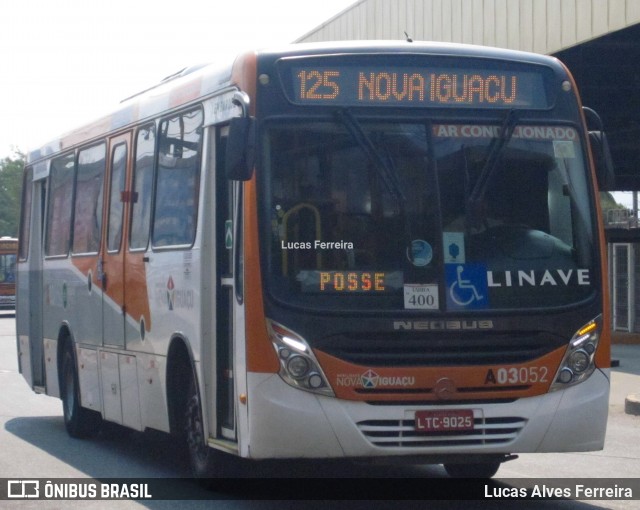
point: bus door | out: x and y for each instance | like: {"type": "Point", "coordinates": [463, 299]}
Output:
{"type": "Point", "coordinates": [226, 198]}
{"type": "Point", "coordinates": [112, 262]}
{"type": "Point", "coordinates": [30, 291]}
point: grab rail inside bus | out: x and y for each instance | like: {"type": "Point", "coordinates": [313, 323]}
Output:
{"type": "Point", "coordinates": [318, 226]}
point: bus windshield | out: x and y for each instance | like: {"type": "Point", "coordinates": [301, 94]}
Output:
{"type": "Point", "coordinates": [380, 215]}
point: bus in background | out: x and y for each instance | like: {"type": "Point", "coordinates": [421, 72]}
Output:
{"type": "Point", "coordinates": [8, 255]}
{"type": "Point", "coordinates": [353, 250]}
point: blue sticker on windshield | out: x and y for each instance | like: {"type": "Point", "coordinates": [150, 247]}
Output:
{"type": "Point", "coordinates": [421, 253]}
{"type": "Point", "coordinates": [453, 244]}
{"type": "Point", "coordinates": [466, 286]}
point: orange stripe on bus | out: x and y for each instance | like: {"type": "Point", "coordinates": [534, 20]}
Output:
{"type": "Point", "coordinates": [260, 353]}
{"type": "Point", "coordinates": [501, 381]}
{"type": "Point", "coordinates": [137, 303]}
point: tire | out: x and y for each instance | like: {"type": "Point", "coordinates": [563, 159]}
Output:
{"type": "Point", "coordinates": [205, 462]}
{"type": "Point", "coordinates": [473, 470]}
{"type": "Point", "coordinates": [79, 422]}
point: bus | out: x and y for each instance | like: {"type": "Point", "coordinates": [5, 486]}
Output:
{"type": "Point", "coordinates": [382, 251]}
{"type": "Point", "coordinates": [8, 256]}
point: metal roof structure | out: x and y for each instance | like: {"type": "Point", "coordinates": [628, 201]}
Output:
{"type": "Point", "coordinates": [540, 26]}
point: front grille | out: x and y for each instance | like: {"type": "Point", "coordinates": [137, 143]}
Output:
{"type": "Point", "coordinates": [402, 348]}
{"type": "Point", "coordinates": [402, 433]}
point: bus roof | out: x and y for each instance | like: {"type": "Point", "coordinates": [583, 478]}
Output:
{"type": "Point", "coordinates": [193, 83]}
{"type": "Point", "coordinates": [422, 47]}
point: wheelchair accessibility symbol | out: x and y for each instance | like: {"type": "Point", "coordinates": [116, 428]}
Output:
{"type": "Point", "coordinates": [466, 286]}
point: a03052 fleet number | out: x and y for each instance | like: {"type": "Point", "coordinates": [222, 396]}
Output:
{"type": "Point", "coordinates": [517, 375]}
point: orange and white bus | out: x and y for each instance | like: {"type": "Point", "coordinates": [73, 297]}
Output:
{"type": "Point", "coordinates": [358, 250]}
{"type": "Point", "coordinates": [8, 256]}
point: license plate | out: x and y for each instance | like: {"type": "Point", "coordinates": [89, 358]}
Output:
{"type": "Point", "coordinates": [444, 420]}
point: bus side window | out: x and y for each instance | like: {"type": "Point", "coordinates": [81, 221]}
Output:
{"type": "Point", "coordinates": [142, 188]}
{"type": "Point", "coordinates": [60, 206]}
{"type": "Point", "coordinates": [25, 221]}
{"type": "Point", "coordinates": [118, 176]}
{"type": "Point", "coordinates": [176, 203]}
{"type": "Point", "coordinates": [87, 226]}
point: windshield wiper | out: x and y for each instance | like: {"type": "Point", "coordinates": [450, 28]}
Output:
{"type": "Point", "coordinates": [386, 173]}
{"type": "Point", "coordinates": [498, 145]}
{"type": "Point", "coordinates": [383, 168]}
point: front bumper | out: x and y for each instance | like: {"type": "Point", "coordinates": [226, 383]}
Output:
{"type": "Point", "coordinates": [288, 423]}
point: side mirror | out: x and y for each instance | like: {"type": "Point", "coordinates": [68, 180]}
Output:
{"type": "Point", "coordinates": [603, 161]}
{"type": "Point", "coordinates": [601, 153]}
{"type": "Point", "coordinates": [241, 149]}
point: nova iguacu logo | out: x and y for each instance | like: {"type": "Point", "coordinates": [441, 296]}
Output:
{"type": "Point", "coordinates": [371, 380]}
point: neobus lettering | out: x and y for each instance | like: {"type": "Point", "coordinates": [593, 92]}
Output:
{"type": "Point", "coordinates": [442, 325]}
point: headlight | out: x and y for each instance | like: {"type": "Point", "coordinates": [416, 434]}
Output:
{"type": "Point", "coordinates": [578, 363]}
{"type": "Point", "coordinates": [298, 365]}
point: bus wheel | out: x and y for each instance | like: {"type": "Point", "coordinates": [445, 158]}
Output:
{"type": "Point", "coordinates": [473, 470]}
{"type": "Point", "coordinates": [79, 422]}
{"type": "Point", "coordinates": [204, 460]}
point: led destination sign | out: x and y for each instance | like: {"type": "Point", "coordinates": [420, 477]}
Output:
{"type": "Point", "coordinates": [354, 85]}
{"type": "Point", "coordinates": [350, 282]}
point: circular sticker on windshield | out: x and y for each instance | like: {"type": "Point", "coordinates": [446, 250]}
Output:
{"type": "Point", "coordinates": [421, 253]}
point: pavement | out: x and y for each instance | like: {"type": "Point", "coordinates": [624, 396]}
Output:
{"type": "Point", "coordinates": [625, 359]}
